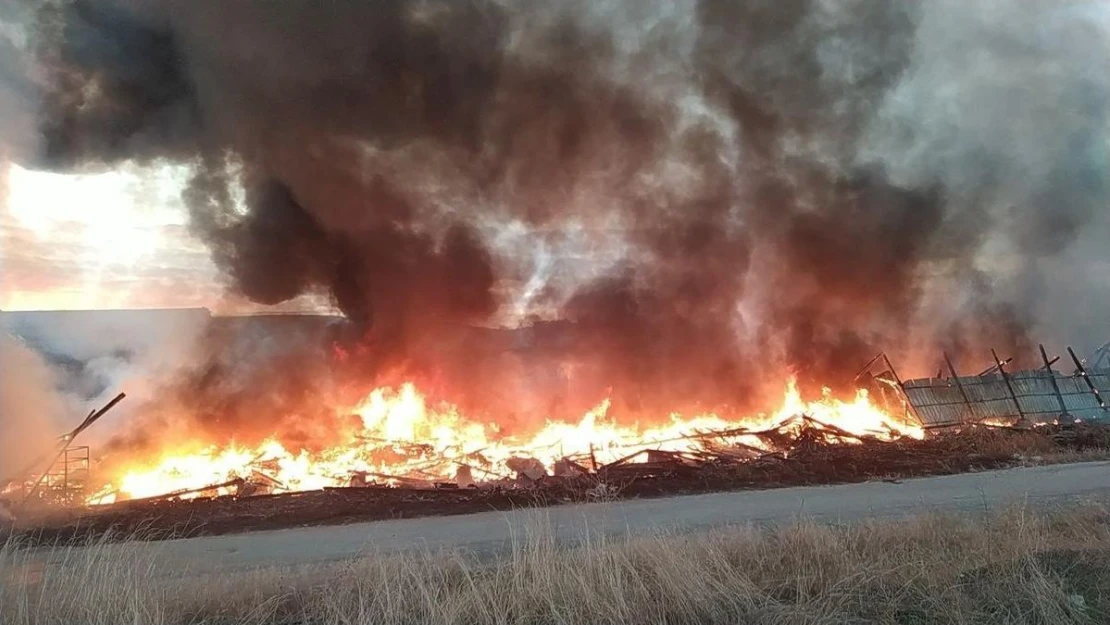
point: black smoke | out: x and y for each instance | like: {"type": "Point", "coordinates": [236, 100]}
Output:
{"type": "Point", "coordinates": [779, 202]}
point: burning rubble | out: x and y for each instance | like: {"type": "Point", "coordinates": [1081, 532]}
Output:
{"type": "Point", "coordinates": [406, 441]}
{"type": "Point", "coordinates": [410, 455]}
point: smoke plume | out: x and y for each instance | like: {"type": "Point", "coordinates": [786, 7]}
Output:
{"type": "Point", "coordinates": [31, 410]}
{"type": "Point", "coordinates": [716, 194]}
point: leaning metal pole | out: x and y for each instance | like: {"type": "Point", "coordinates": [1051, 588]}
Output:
{"type": "Point", "coordinates": [66, 439]}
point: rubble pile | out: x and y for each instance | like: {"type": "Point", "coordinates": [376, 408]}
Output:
{"type": "Point", "coordinates": [812, 458]}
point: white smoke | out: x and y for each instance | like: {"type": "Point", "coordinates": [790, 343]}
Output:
{"type": "Point", "coordinates": [1007, 105]}
{"type": "Point", "coordinates": [32, 412]}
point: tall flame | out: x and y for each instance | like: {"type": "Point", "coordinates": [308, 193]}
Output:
{"type": "Point", "coordinates": [403, 437]}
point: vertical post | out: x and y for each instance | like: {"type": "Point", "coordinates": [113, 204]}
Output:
{"type": "Point", "coordinates": [1055, 386]}
{"type": "Point", "coordinates": [890, 366]}
{"type": "Point", "coordinates": [959, 385]}
{"type": "Point", "coordinates": [1086, 378]}
{"type": "Point", "coordinates": [1009, 385]}
{"type": "Point", "coordinates": [901, 385]}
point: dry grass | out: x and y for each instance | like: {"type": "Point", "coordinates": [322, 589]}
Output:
{"type": "Point", "coordinates": [1067, 456]}
{"type": "Point", "coordinates": [1041, 445]}
{"type": "Point", "coordinates": [1014, 567]}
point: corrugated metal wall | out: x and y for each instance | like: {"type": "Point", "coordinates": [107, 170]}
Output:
{"type": "Point", "coordinates": [940, 402]}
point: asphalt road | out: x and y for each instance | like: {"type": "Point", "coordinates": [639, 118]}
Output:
{"type": "Point", "coordinates": [491, 531]}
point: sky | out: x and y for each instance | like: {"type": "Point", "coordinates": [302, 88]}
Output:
{"type": "Point", "coordinates": [104, 240]}
{"type": "Point", "coordinates": [96, 240]}
{"type": "Point", "coordinates": [116, 239]}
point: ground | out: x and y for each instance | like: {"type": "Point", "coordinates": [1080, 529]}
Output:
{"type": "Point", "coordinates": [492, 532]}
{"type": "Point", "coordinates": [1018, 547]}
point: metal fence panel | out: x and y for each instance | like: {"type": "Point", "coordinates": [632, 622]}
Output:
{"type": "Point", "coordinates": [940, 401]}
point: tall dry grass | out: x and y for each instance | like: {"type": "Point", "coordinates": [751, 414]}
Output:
{"type": "Point", "coordinates": [1014, 567]}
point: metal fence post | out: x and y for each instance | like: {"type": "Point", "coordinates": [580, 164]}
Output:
{"type": "Point", "coordinates": [1086, 378]}
{"type": "Point", "coordinates": [1055, 386]}
{"type": "Point", "coordinates": [1009, 385]}
{"type": "Point", "coordinates": [959, 385]}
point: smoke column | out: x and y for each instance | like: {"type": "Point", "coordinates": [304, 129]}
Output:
{"type": "Point", "coordinates": [716, 194]}
{"type": "Point", "coordinates": [30, 409]}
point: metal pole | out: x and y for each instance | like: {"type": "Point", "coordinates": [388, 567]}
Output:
{"type": "Point", "coordinates": [1006, 377]}
{"type": "Point", "coordinates": [890, 365]}
{"type": "Point", "coordinates": [1055, 386]}
{"type": "Point", "coordinates": [901, 385]}
{"type": "Point", "coordinates": [868, 365]}
{"type": "Point", "coordinates": [959, 385]}
{"type": "Point", "coordinates": [68, 438]}
{"type": "Point", "coordinates": [94, 416]}
{"type": "Point", "coordinates": [1086, 378]}
{"type": "Point", "coordinates": [991, 369]}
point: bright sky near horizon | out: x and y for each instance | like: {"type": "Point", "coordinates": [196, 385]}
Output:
{"type": "Point", "coordinates": [120, 239]}
{"type": "Point", "coordinates": [117, 239]}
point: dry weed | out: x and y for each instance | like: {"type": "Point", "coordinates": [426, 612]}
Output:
{"type": "Point", "coordinates": [1016, 567]}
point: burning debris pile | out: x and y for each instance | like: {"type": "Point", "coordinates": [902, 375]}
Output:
{"type": "Point", "coordinates": [404, 441]}
{"type": "Point", "coordinates": [810, 460]}
{"type": "Point", "coordinates": [413, 457]}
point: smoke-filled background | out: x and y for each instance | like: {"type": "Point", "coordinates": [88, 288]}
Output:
{"type": "Point", "coordinates": [28, 406]}
{"type": "Point", "coordinates": [711, 196]}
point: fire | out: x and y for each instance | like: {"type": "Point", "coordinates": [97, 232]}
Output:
{"type": "Point", "coordinates": [405, 438]}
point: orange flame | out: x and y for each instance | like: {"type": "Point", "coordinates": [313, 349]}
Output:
{"type": "Point", "coordinates": [404, 437]}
